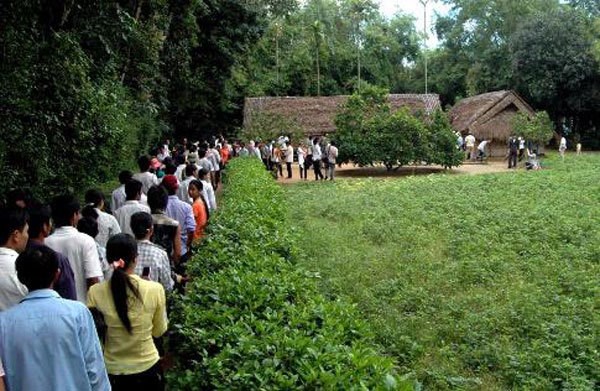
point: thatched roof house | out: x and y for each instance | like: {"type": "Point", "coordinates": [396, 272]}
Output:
{"type": "Point", "coordinates": [316, 115]}
{"type": "Point", "coordinates": [489, 116]}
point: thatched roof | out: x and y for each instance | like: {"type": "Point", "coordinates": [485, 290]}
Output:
{"type": "Point", "coordinates": [488, 116]}
{"type": "Point", "coordinates": [316, 115]}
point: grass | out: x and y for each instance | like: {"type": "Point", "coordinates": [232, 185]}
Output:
{"type": "Point", "coordinates": [469, 282]}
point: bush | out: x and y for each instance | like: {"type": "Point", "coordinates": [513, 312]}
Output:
{"type": "Point", "coordinates": [251, 319]}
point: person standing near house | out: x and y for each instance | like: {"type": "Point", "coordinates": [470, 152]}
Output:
{"type": "Point", "coordinates": [481, 152]}
{"type": "Point", "coordinates": [316, 158]}
{"type": "Point", "coordinates": [470, 143]}
{"type": "Point", "coordinates": [562, 147]}
{"type": "Point", "coordinates": [513, 149]}
{"type": "Point", "coordinates": [289, 159]}
{"type": "Point", "coordinates": [301, 152]}
{"type": "Point", "coordinates": [521, 148]}
{"type": "Point", "coordinates": [332, 154]}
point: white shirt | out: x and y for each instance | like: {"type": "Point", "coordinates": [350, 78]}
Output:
{"type": "Point", "coordinates": [180, 172]}
{"type": "Point", "coordinates": [11, 289]}
{"type": "Point", "coordinates": [289, 154]}
{"type": "Point", "coordinates": [124, 213]}
{"type": "Point", "coordinates": [300, 153]}
{"type": "Point", "coordinates": [209, 195]}
{"type": "Point", "coordinates": [316, 151]}
{"type": "Point", "coordinates": [82, 253]}
{"type": "Point", "coordinates": [148, 180]}
{"type": "Point", "coordinates": [482, 145]}
{"type": "Point", "coordinates": [332, 154]}
{"type": "Point", "coordinates": [206, 164]}
{"type": "Point", "coordinates": [182, 191]}
{"type": "Point", "coordinates": [107, 227]}
{"type": "Point", "coordinates": [470, 140]}
{"type": "Point", "coordinates": [118, 198]}
{"type": "Point", "coordinates": [563, 143]}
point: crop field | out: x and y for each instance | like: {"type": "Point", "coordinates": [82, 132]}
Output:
{"type": "Point", "coordinates": [485, 282]}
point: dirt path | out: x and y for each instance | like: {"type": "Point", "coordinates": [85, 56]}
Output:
{"type": "Point", "coordinates": [349, 171]}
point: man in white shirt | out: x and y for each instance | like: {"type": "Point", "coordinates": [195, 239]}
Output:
{"type": "Point", "coordinates": [118, 195]}
{"type": "Point", "coordinates": [191, 171]}
{"type": "Point", "coordinates": [13, 240]}
{"type": "Point", "coordinates": [107, 224]}
{"type": "Point", "coordinates": [289, 159]}
{"type": "Point", "coordinates": [133, 190]}
{"type": "Point", "coordinates": [147, 178]}
{"type": "Point", "coordinates": [78, 247]}
{"type": "Point", "coordinates": [332, 154]}
{"type": "Point", "coordinates": [470, 143]}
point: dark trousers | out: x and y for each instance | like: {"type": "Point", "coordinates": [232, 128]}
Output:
{"type": "Point", "coordinates": [288, 166]}
{"type": "Point", "coordinates": [150, 380]}
{"type": "Point", "coordinates": [267, 165]}
{"type": "Point", "coordinates": [317, 169]}
{"type": "Point", "coordinates": [303, 171]}
{"type": "Point", "coordinates": [512, 159]}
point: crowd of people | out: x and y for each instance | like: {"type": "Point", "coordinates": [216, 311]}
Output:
{"type": "Point", "coordinates": [316, 153]}
{"type": "Point", "coordinates": [517, 150]}
{"type": "Point", "coordinates": [82, 287]}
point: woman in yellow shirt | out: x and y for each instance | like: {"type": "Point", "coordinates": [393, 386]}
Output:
{"type": "Point", "coordinates": [134, 311]}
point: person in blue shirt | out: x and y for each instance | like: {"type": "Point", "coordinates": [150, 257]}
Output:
{"type": "Point", "coordinates": [47, 342]}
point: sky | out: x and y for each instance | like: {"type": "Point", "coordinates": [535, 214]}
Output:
{"type": "Point", "coordinates": [415, 8]}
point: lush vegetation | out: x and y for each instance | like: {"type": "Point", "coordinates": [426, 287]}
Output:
{"type": "Point", "coordinates": [252, 319]}
{"type": "Point", "coordinates": [87, 86]}
{"type": "Point", "coordinates": [487, 282]}
{"type": "Point", "coordinates": [368, 133]}
{"type": "Point", "coordinates": [547, 50]}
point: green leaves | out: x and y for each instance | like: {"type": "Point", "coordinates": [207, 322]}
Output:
{"type": "Point", "coordinates": [367, 133]}
{"type": "Point", "coordinates": [251, 319]}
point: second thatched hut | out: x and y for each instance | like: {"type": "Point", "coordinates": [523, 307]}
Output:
{"type": "Point", "coordinates": [489, 116]}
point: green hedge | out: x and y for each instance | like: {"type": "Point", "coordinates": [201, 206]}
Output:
{"type": "Point", "coordinates": [251, 319]}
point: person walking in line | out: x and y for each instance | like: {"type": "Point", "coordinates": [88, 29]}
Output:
{"type": "Point", "coordinates": [47, 342]}
{"type": "Point", "coordinates": [316, 157]}
{"type": "Point", "coordinates": [146, 178]}
{"type": "Point", "coordinates": [166, 230]}
{"type": "Point", "coordinates": [79, 248]}
{"type": "Point", "coordinates": [199, 207]}
{"type": "Point", "coordinates": [133, 190]}
{"type": "Point", "coordinates": [134, 311]}
{"type": "Point", "coordinates": [107, 224]}
{"type": "Point", "coordinates": [14, 233]}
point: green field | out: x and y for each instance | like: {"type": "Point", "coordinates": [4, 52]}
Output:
{"type": "Point", "coordinates": [469, 282]}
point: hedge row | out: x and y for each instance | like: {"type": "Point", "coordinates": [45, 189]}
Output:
{"type": "Point", "coordinates": [251, 319]}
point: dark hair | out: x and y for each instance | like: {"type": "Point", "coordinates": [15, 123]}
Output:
{"type": "Point", "coordinates": [170, 168]}
{"type": "Point", "coordinates": [144, 163]}
{"type": "Point", "coordinates": [36, 268]}
{"type": "Point", "coordinates": [39, 214]}
{"type": "Point", "coordinates": [63, 208]}
{"type": "Point", "coordinates": [198, 185]}
{"type": "Point", "coordinates": [88, 225]}
{"type": "Point", "coordinates": [15, 195]}
{"type": "Point", "coordinates": [132, 189]}
{"type": "Point", "coordinates": [11, 219]}
{"type": "Point", "coordinates": [157, 198]}
{"type": "Point", "coordinates": [202, 172]}
{"type": "Point", "coordinates": [125, 176]}
{"type": "Point", "coordinates": [122, 247]}
{"type": "Point", "coordinates": [141, 223]}
{"type": "Point", "coordinates": [94, 196]}
{"type": "Point", "coordinates": [190, 169]}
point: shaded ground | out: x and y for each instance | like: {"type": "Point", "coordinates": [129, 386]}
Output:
{"type": "Point", "coordinates": [349, 171]}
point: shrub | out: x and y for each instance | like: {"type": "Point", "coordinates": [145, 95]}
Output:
{"type": "Point", "coordinates": [251, 319]}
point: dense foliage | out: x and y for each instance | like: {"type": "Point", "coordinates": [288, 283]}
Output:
{"type": "Point", "coordinates": [538, 129]}
{"type": "Point", "coordinates": [485, 282]}
{"type": "Point", "coordinates": [252, 319]}
{"type": "Point", "coordinates": [368, 133]}
{"type": "Point", "coordinates": [87, 86]}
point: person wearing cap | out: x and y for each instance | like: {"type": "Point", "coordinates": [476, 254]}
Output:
{"type": "Point", "coordinates": [182, 212]}
{"type": "Point", "coordinates": [147, 178]}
